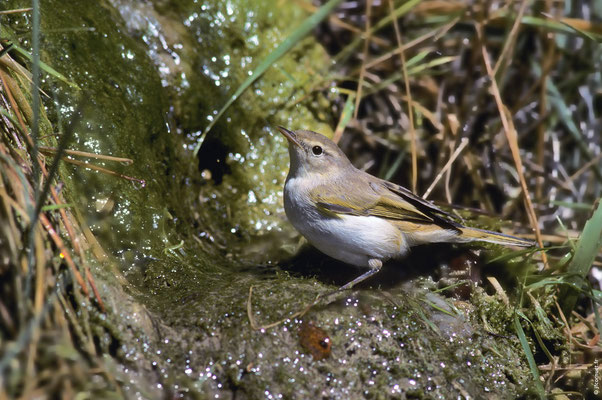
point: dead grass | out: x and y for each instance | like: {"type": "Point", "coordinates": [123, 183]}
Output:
{"type": "Point", "coordinates": [45, 282]}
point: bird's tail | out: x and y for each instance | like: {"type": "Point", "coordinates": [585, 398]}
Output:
{"type": "Point", "coordinates": [474, 234]}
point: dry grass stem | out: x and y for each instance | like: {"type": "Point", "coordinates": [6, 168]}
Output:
{"type": "Point", "coordinates": [504, 58]}
{"type": "Point", "coordinates": [50, 150]}
{"type": "Point", "coordinates": [103, 170]}
{"type": "Point", "coordinates": [456, 153]}
{"type": "Point", "coordinates": [15, 11]}
{"type": "Point", "coordinates": [360, 84]}
{"type": "Point", "coordinates": [511, 136]}
{"type": "Point", "coordinates": [409, 102]}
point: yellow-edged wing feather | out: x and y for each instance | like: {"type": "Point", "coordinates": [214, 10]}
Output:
{"type": "Point", "coordinates": [380, 199]}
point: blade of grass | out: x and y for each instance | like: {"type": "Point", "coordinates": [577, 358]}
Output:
{"type": "Point", "coordinates": [565, 25]}
{"type": "Point", "coordinates": [417, 307]}
{"type": "Point", "coordinates": [95, 167]}
{"type": "Point", "coordinates": [545, 23]}
{"type": "Point", "coordinates": [456, 153]}
{"type": "Point", "coordinates": [577, 25]}
{"type": "Point", "coordinates": [428, 65]}
{"type": "Point", "coordinates": [395, 166]}
{"type": "Point", "coordinates": [417, 58]}
{"type": "Point", "coordinates": [541, 343]}
{"type": "Point", "coordinates": [344, 119]}
{"type": "Point", "coordinates": [585, 167]}
{"type": "Point", "coordinates": [452, 286]}
{"type": "Point", "coordinates": [503, 60]}
{"type": "Point", "coordinates": [588, 247]}
{"type": "Point", "coordinates": [439, 308]}
{"type": "Point", "coordinates": [288, 43]}
{"type": "Point", "coordinates": [52, 207]}
{"type": "Point", "coordinates": [407, 46]}
{"type": "Point", "coordinates": [43, 66]}
{"type": "Point", "coordinates": [6, 49]}
{"type": "Point", "coordinates": [555, 282]}
{"type": "Point", "coordinates": [574, 206]}
{"type": "Point", "coordinates": [510, 255]}
{"type": "Point", "coordinates": [567, 235]}
{"type": "Point", "coordinates": [529, 355]}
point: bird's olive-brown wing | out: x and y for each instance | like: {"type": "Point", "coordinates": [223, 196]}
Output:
{"type": "Point", "coordinates": [364, 200]}
{"type": "Point", "coordinates": [378, 198]}
{"type": "Point", "coordinates": [438, 216]}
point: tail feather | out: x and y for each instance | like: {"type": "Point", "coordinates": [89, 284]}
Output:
{"type": "Point", "coordinates": [474, 234]}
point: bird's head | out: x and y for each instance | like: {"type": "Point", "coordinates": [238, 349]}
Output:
{"type": "Point", "coordinates": [314, 154]}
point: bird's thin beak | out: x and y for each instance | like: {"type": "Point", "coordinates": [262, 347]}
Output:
{"type": "Point", "coordinates": [290, 135]}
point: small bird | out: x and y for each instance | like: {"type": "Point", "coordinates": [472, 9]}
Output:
{"type": "Point", "coordinates": [358, 218]}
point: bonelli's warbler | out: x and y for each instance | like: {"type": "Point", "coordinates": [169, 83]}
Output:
{"type": "Point", "coordinates": [357, 218]}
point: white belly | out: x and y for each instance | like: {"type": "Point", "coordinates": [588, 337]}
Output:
{"type": "Point", "coordinates": [351, 239]}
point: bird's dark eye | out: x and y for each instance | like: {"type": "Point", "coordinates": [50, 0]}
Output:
{"type": "Point", "coordinates": [317, 150]}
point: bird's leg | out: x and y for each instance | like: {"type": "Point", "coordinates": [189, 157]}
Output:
{"type": "Point", "coordinates": [375, 266]}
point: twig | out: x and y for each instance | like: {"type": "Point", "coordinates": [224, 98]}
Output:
{"type": "Point", "coordinates": [585, 167]}
{"type": "Point", "coordinates": [463, 144]}
{"type": "Point", "coordinates": [499, 290]}
{"type": "Point", "coordinates": [296, 314]}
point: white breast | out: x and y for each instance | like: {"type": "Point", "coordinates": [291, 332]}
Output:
{"type": "Point", "coordinates": [351, 239]}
